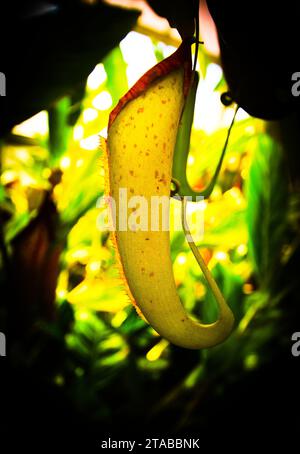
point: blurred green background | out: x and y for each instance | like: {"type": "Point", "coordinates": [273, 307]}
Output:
{"type": "Point", "coordinates": [83, 362]}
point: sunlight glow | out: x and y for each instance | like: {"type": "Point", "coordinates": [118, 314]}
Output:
{"type": "Point", "coordinates": [79, 162]}
{"type": "Point", "coordinates": [191, 160]}
{"type": "Point", "coordinates": [90, 143]}
{"type": "Point", "coordinates": [94, 266]}
{"type": "Point", "coordinates": [221, 256]}
{"type": "Point", "coordinates": [103, 133]}
{"type": "Point", "coordinates": [78, 132]}
{"type": "Point", "coordinates": [97, 77]}
{"type": "Point", "coordinates": [26, 179]}
{"type": "Point", "coordinates": [208, 108]}
{"type": "Point", "coordinates": [61, 294]}
{"type": "Point", "coordinates": [165, 49]}
{"type": "Point", "coordinates": [181, 259]}
{"type": "Point", "coordinates": [80, 254]}
{"type": "Point", "coordinates": [242, 115]}
{"type": "Point", "coordinates": [137, 51]}
{"type": "Point", "coordinates": [8, 176]}
{"type": "Point", "coordinates": [103, 101]}
{"type": "Point", "coordinates": [23, 154]}
{"type": "Point", "coordinates": [235, 195]}
{"type": "Point", "coordinates": [89, 115]}
{"type": "Point", "coordinates": [65, 162]}
{"type": "Point", "coordinates": [82, 315]}
{"type": "Point", "coordinates": [34, 126]}
{"type": "Point", "coordinates": [242, 249]}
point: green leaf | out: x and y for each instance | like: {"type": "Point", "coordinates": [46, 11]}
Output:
{"type": "Point", "coordinates": [267, 194]}
{"type": "Point", "coordinates": [16, 225]}
{"type": "Point", "coordinates": [2, 193]}
{"type": "Point", "coordinates": [221, 85]}
{"type": "Point", "coordinates": [59, 51]}
{"type": "Point", "coordinates": [82, 190]}
{"type": "Point", "coordinates": [231, 231]}
{"type": "Point", "coordinates": [115, 68]}
{"type": "Point", "coordinates": [59, 130]}
{"type": "Point", "coordinates": [231, 286]}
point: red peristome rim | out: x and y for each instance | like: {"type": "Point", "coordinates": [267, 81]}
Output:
{"type": "Point", "coordinates": [180, 58]}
